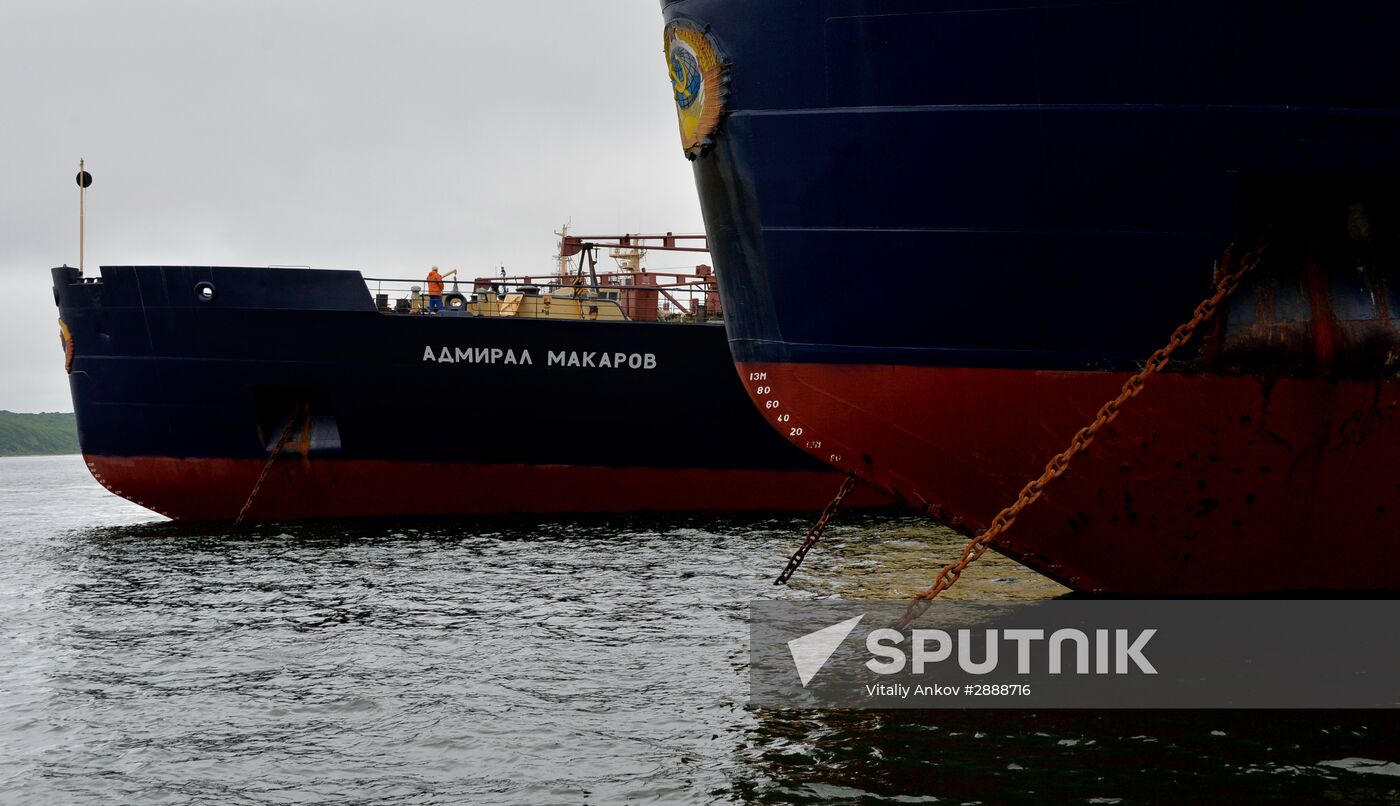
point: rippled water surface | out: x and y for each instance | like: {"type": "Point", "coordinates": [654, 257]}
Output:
{"type": "Point", "coordinates": [563, 661]}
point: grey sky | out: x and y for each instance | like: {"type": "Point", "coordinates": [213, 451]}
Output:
{"type": "Point", "coordinates": [380, 136]}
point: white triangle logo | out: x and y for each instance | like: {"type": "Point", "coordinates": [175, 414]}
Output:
{"type": "Point", "coordinates": [811, 652]}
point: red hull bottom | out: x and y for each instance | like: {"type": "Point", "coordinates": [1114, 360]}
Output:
{"type": "Point", "coordinates": [1204, 485]}
{"type": "Point", "coordinates": [297, 489]}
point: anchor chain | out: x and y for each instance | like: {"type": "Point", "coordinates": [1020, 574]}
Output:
{"type": "Point", "coordinates": [281, 441]}
{"type": "Point", "coordinates": [1225, 285]}
{"type": "Point", "coordinates": [815, 533]}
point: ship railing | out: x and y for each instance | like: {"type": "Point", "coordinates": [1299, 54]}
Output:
{"type": "Point", "coordinates": [662, 296]}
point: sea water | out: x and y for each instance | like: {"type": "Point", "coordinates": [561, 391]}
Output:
{"type": "Point", "coordinates": [530, 660]}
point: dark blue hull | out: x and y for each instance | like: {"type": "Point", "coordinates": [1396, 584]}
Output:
{"type": "Point", "coordinates": [967, 184]}
{"type": "Point", "coordinates": [180, 402]}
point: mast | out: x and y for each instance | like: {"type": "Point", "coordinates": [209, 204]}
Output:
{"type": "Point", "coordinates": [84, 179]}
{"type": "Point", "coordinates": [565, 264]}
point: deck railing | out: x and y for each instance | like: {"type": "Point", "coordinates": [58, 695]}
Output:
{"type": "Point", "coordinates": [627, 296]}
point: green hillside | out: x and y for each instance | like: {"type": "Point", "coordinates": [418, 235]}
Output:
{"type": "Point", "coordinates": [34, 434]}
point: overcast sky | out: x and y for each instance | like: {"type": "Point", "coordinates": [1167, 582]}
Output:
{"type": "Point", "coordinates": [385, 136]}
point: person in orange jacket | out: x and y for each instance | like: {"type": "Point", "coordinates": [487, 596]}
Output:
{"type": "Point", "coordinates": [435, 288]}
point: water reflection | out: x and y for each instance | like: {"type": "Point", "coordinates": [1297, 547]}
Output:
{"type": "Point", "coordinates": [1070, 756]}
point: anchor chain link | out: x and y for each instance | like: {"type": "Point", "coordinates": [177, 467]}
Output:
{"type": "Point", "coordinates": [281, 441]}
{"type": "Point", "coordinates": [1225, 285]}
{"type": "Point", "coordinates": [815, 532]}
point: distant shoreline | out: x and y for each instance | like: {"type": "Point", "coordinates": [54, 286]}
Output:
{"type": "Point", "coordinates": [42, 434]}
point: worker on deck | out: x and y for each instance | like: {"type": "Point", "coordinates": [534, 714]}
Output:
{"type": "Point", "coordinates": [434, 290]}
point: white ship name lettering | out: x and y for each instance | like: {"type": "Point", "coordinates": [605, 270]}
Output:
{"type": "Point", "coordinates": [477, 355]}
{"type": "Point", "coordinates": [590, 359]}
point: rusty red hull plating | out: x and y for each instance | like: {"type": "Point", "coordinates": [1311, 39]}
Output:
{"type": "Point", "coordinates": [207, 489]}
{"type": "Point", "coordinates": [1204, 485]}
